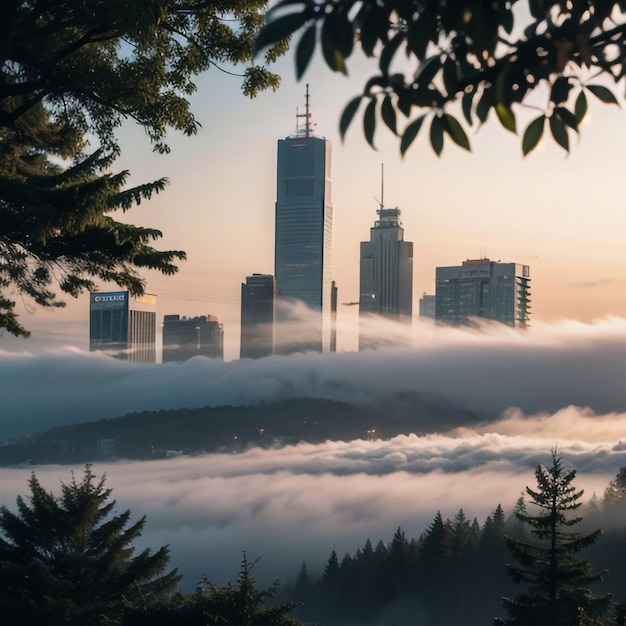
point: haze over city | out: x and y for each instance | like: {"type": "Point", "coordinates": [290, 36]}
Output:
{"type": "Point", "coordinates": [558, 384]}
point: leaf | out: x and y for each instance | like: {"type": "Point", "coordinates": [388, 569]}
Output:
{"type": "Point", "coordinates": [484, 104]}
{"type": "Point", "coordinates": [281, 5]}
{"type": "Point", "coordinates": [348, 114]}
{"type": "Point", "coordinates": [456, 132]}
{"type": "Point", "coordinates": [305, 49]}
{"type": "Point", "coordinates": [427, 70]}
{"type": "Point", "coordinates": [506, 117]}
{"type": "Point", "coordinates": [559, 132]}
{"type": "Point", "coordinates": [580, 108]}
{"type": "Point", "coordinates": [532, 134]}
{"type": "Point", "coordinates": [560, 90]}
{"type": "Point", "coordinates": [436, 134]}
{"type": "Point", "coordinates": [466, 106]}
{"type": "Point", "coordinates": [568, 117]}
{"type": "Point", "coordinates": [450, 80]}
{"type": "Point", "coordinates": [603, 94]}
{"type": "Point", "coordinates": [369, 122]}
{"type": "Point", "coordinates": [390, 48]}
{"type": "Point", "coordinates": [388, 113]}
{"type": "Point", "coordinates": [410, 133]}
{"type": "Point", "coordinates": [279, 29]}
{"type": "Point", "coordinates": [333, 57]}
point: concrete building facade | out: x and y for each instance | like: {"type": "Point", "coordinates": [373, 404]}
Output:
{"type": "Point", "coordinates": [481, 288]}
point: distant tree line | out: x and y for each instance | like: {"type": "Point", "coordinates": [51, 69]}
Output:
{"type": "Point", "coordinates": [70, 560]}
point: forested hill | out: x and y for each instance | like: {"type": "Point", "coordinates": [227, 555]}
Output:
{"type": "Point", "coordinates": [228, 429]}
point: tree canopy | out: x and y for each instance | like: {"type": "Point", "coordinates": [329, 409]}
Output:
{"type": "Point", "coordinates": [440, 61]}
{"type": "Point", "coordinates": [70, 559]}
{"type": "Point", "coordinates": [72, 72]}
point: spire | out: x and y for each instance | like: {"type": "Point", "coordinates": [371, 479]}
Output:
{"type": "Point", "coordinates": [307, 131]}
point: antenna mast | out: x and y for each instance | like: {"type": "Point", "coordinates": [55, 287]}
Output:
{"type": "Point", "coordinates": [308, 132]}
{"type": "Point", "coordinates": [382, 185]}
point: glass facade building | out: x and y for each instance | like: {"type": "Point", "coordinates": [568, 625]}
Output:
{"type": "Point", "coordinates": [486, 289]}
{"type": "Point", "coordinates": [258, 307]}
{"type": "Point", "coordinates": [303, 238]}
{"type": "Point", "coordinates": [123, 327]}
{"type": "Point", "coordinates": [186, 337]}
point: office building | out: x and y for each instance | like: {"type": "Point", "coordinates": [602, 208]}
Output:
{"type": "Point", "coordinates": [122, 326]}
{"type": "Point", "coordinates": [480, 288]}
{"type": "Point", "coordinates": [427, 306]}
{"type": "Point", "coordinates": [186, 337]}
{"type": "Point", "coordinates": [386, 277]}
{"type": "Point", "coordinates": [303, 232]}
{"type": "Point", "coordinates": [258, 308]}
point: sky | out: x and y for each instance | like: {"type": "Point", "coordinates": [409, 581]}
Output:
{"type": "Point", "coordinates": [559, 214]}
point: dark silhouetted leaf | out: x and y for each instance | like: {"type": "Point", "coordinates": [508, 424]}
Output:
{"type": "Point", "coordinates": [456, 132]}
{"type": "Point", "coordinates": [388, 113]}
{"type": "Point", "coordinates": [305, 49]}
{"type": "Point", "coordinates": [369, 121]}
{"type": "Point", "coordinates": [389, 50]}
{"type": "Point", "coordinates": [280, 28]}
{"type": "Point", "coordinates": [580, 108]}
{"type": "Point", "coordinates": [466, 105]}
{"type": "Point", "coordinates": [427, 70]}
{"type": "Point", "coordinates": [484, 104]}
{"type": "Point", "coordinates": [569, 119]}
{"type": "Point", "coordinates": [348, 114]}
{"type": "Point", "coordinates": [332, 55]}
{"type": "Point", "coordinates": [560, 90]}
{"type": "Point", "coordinates": [506, 117]}
{"type": "Point", "coordinates": [410, 133]}
{"type": "Point", "coordinates": [559, 132]}
{"type": "Point", "coordinates": [533, 134]}
{"type": "Point", "coordinates": [450, 80]}
{"type": "Point", "coordinates": [436, 134]}
{"type": "Point", "coordinates": [602, 93]}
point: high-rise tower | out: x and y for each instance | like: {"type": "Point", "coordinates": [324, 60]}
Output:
{"type": "Point", "coordinates": [258, 308]}
{"type": "Point", "coordinates": [386, 285]}
{"type": "Point", "coordinates": [302, 253]}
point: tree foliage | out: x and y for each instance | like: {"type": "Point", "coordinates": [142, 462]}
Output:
{"type": "Point", "coordinates": [437, 60]}
{"type": "Point", "coordinates": [70, 560]}
{"type": "Point", "coordinates": [556, 578]}
{"type": "Point", "coordinates": [72, 72]}
{"type": "Point", "coordinates": [240, 603]}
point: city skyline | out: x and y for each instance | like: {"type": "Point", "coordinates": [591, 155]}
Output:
{"type": "Point", "coordinates": [542, 211]}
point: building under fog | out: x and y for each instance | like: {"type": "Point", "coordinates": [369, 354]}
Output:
{"type": "Point", "coordinates": [186, 337]}
{"type": "Point", "coordinates": [258, 307]}
{"type": "Point", "coordinates": [303, 232]}
{"type": "Point", "coordinates": [122, 326]}
{"type": "Point", "coordinates": [427, 306]}
{"type": "Point", "coordinates": [386, 276]}
{"type": "Point", "coordinates": [481, 288]}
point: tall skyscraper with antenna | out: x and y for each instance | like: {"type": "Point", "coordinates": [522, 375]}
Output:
{"type": "Point", "coordinates": [386, 277]}
{"type": "Point", "coordinates": [303, 237]}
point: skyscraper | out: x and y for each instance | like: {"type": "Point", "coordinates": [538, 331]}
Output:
{"type": "Point", "coordinates": [302, 253]}
{"type": "Point", "coordinates": [186, 337]}
{"type": "Point", "coordinates": [258, 306]}
{"type": "Point", "coordinates": [480, 288]}
{"type": "Point", "coordinates": [386, 278]}
{"type": "Point", "coordinates": [123, 327]}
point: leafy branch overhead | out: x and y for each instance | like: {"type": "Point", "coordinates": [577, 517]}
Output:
{"type": "Point", "coordinates": [72, 73]}
{"type": "Point", "coordinates": [440, 61]}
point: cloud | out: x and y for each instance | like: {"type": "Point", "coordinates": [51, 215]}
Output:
{"type": "Point", "coordinates": [487, 370]}
{"type": "Point", "coordinates": [300, 502]}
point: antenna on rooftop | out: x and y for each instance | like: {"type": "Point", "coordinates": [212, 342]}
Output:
{"type": "Point", "coordinates": [308, 131]}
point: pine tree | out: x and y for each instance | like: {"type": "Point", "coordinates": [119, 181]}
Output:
{"type": "Point", "coordinates": [69, 560]}
{"type": "Point", "coordinates": [556, 578]}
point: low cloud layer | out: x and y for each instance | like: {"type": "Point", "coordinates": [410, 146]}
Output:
{"type": "Point", "coordinates": [487, 371]}
{"type": "Point", "coordinates": [300, 502]}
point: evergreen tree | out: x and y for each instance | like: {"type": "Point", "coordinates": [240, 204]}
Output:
{"type": "Point", "coordinates": [71, 72]}
{"type": "Point", "coordinates": [70, 560]}
{"type": "Point", "coordinates": [556, 578]}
